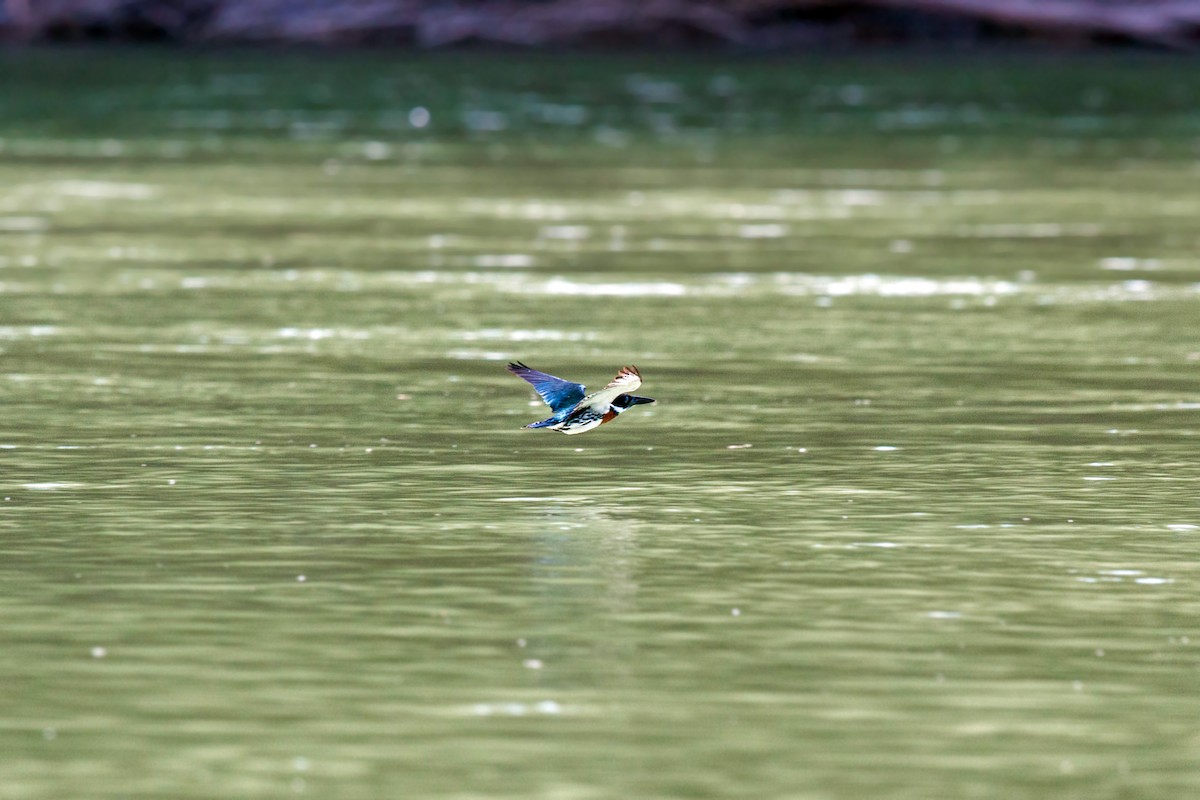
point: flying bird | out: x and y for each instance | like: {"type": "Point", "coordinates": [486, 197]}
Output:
{"type": "Point", "coordinates": [575, 413]}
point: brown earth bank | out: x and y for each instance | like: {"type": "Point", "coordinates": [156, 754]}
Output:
{"type": "Point", "coordinates": [746, 24]}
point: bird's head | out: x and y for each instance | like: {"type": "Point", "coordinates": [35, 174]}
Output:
{"type": "Point", "coordinates": [623, 402]}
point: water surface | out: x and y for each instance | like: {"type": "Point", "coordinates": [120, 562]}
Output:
{"type": "Point", "coordinates": [913, 516]}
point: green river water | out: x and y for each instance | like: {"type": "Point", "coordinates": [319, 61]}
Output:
{"type": "Point", "coordinates": [914, 515]}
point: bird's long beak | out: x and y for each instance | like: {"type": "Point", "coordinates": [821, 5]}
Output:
{"type": "Point", "coordinates": [635, 400]}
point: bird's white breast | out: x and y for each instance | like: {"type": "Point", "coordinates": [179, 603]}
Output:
{"type": "Point", "coordinates": [577, 428]}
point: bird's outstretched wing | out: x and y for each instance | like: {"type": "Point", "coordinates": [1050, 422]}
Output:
{"type": "Point", "coordinates": [627, 380]}
{"type": "Point", "coordinates": [557, 393]}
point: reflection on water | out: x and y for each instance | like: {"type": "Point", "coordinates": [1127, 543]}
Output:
{"type": "Point", "coordinates": [912, 516]}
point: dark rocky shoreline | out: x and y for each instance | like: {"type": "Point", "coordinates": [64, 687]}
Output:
{"type": "Point", "coordinates": [601, 24]}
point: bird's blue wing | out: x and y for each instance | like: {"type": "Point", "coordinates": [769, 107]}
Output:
{"type": "Point", "coordinates": [557, 393]}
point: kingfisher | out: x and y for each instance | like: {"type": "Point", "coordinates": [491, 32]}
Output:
{"type": "Point", "coordinates": [575, 413]}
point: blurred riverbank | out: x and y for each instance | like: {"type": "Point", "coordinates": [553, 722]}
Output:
{"type": "Point", "coordinates": [757, 25]}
